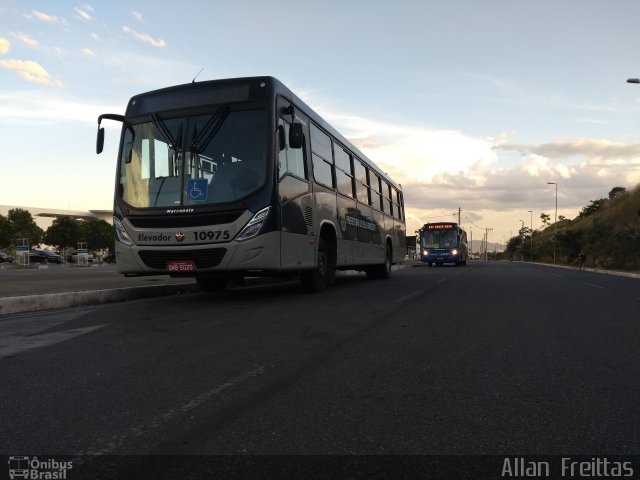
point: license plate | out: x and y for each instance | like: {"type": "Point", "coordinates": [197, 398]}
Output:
{"type": "Point", "coordinates": [181, 266]}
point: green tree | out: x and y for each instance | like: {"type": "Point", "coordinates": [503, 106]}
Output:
{"type": "Point", "coordinates": [593, 207]}
{"type": "Point", "coordinates": [98, 234]}
{"type": "Point", "coordinates": [64, 232]}
{"type": "Point", "coordinates": [616, 192]}
{"type": "Point", "coordinates": [546, 219]}
{"type": "Point", "coordinates": [22, 225]}
{"type": "Point", "coordinates": [6, 232]}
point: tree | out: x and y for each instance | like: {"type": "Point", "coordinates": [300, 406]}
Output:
{"type": "Point", "coordinates": [6, 235]}
{"type": "Point", "coordinates": [616, 192]}
{"type": "Point", "coordinates": [64, 232]}
{"type": "Point", "coordinates": [98, 234]}
{"type": "Point", "coordinates": [593, 207]}
{"type": "Point", "coordinates": [546, 219]}
{"type": "Point", "coordinates": [22, 225]}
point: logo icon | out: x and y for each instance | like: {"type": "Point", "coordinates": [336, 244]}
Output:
{"type": "Point", "coordinates": [19, 467]}
{"type": "Point", "coordinates": [179, 236]}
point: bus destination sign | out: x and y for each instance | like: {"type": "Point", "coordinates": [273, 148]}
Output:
{"type": "Point", "coordinates": [440, 226]}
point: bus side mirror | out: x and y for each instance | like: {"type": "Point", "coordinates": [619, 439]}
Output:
{"type": "Point", "coordinates": [281, 138]}
{"type": "Point", "coordinates": [296, 135]}
{"type": "Point", "coordinates": [100, 141]}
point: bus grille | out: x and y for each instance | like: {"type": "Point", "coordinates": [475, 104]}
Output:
{"type": "Point", "coordinates": [206, 258]}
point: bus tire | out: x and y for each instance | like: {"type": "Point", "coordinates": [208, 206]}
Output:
{"type": "Point", "coordinates": [212, 284]}
{"type": "Point", "coordinates": [316, 280]}
{"type": "Point", "coordinates": [382, 271]}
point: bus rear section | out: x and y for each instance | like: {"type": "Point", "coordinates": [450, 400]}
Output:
{"type": "Point", "coordinates": [443, 243]}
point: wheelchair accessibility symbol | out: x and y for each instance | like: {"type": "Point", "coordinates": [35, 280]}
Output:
{"type": "Point", "coordinates": [197, 189]}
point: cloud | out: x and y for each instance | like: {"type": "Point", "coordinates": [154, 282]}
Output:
{"type": "Point", "coordinates": [43, 17]}
{"type": "Point", "coordinates": [5, 46]}
{"type": "Point", "coordinates": [137, 16]}
{"type": "Point", "coordinates": [87, 52]}
{"type": "Point", "coordinates": [31, 72]}
{"type": "Point", "coordinates": [84, 12]}
{"type": "Point", "coordinates": [491, 179]}
{"type": "Point", "coordinates": [30, 107]}
{"type": "Point", "coordinates": [26, 39]}
{"type": "Point", "coordinates": [144, 37]}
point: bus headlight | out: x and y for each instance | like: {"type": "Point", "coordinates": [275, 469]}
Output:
{"type": "Point", "coordinates": [255, 225]}
{"type": "Point", "coordinates": [425, 252]}
{"type": "Point", "coordinates": [121, 234]}
{"type": "Point", "coordinates": [454, 251]}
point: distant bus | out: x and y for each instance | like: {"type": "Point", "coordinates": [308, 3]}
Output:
{"type": "Point", "coordinates": [443, 242]}
{"type": "Point", "coordinates": [224, 179]}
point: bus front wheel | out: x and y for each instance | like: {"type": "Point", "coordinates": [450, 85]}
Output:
{"type": "Point", "coordinates": [316, 280]}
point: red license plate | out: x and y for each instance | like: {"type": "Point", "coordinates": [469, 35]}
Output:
{"type": "Point", "coordinates": [181, 266]}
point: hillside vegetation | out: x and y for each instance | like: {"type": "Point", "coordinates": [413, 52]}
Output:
{"type": "Point", "coordinates": [607, 231]}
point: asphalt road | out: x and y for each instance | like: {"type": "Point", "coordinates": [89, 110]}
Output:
{"type": "Point", "coordinates": [488, 359]}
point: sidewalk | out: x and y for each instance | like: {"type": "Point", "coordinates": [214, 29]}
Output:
{"type": "Point", "coordinates": [45, 287]}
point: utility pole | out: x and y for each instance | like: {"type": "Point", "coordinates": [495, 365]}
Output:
{"type": "Point", "coordinates": [459, 210]}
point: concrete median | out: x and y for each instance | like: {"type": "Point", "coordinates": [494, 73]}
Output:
{"type": "Point", "coordinates": [51, 301]}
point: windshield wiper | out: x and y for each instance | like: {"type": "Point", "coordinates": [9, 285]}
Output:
{"type": "Point", "coordinates": [211, 128]}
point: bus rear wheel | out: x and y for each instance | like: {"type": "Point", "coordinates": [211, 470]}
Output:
{"type": "Point", "coordinates": [384, 270]}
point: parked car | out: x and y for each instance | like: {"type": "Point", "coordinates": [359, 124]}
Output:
{"type": "Point", "coordinates": [50, 256]}
{"type": "Point", "coordinates": [44, 256]}
{"type": "Point", "coordinates": [6, 258]}
{"type": "Point", "coordinates": [73, 257]}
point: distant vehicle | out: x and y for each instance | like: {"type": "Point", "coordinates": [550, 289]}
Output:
{"type": "Point", "coordinates": [47, 256]}
{"type": "Point", "coordinates": [73, 257]}
{"type": "Point", "coordinates": [443, 242]}
{"type": "Point", "coordinates": [109, 257]}
{"type": "Point", "coordinates": [6, 258]}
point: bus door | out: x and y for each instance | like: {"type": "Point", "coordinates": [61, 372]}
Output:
{"type": "Point", "coordinates": [295, 197]}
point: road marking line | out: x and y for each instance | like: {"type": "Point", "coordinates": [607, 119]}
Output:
{"type": "Point", "coordinates": [592, 285]}
{"type": "Point", "coordinates": [407, 297]}
{"type": "Point", "coordinates": [556, 275]}
{"type": "Point", "coordinates": [137, 431]}
{"type": "Point", "coordinates": [13, 344]}
{"type": "Point", "coordinates": [441, 280]}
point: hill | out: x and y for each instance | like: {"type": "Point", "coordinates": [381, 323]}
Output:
{"type": "Point", "coordinates": [607, 231]}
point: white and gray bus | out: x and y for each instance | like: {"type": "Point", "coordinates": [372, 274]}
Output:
{"type": "Point", "coordinates": [227, 179]}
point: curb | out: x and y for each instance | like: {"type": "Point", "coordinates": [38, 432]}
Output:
{"type": "Point", "coordinates": [52, 301]}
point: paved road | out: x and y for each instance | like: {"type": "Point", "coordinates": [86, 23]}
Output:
{"type": "Point", "coordinates": [492, 358]}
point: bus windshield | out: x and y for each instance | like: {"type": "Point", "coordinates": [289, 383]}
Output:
{"type": "Point", "coordinates": [439, 238]}
{"type": "Point", "coordinates": [193, 160]}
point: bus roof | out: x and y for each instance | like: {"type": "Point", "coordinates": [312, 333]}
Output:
{"type": "Point", "coordinates": [241, 89]}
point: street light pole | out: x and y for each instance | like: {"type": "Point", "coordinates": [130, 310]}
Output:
{"type": "Point", "coordinates": [555, 220]}
{"type": "Point", "coordinates": [633, 80]}
{"type": "Point", "coordinates": [531, 233]}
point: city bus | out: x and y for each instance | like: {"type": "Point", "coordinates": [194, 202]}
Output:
{"type": "Point", "coordinates": [443, 242]}
{"type": "Point", "coordinates": [226, 179]}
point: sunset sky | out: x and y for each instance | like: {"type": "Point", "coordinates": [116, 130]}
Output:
{"type": "Point", "coordinates": [470, 104]}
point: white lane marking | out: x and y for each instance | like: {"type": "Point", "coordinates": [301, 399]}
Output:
{"type": "Point", "coordinates": [441, 280]}
{"type": "Point", "coordinates": [592, 285]}
{"type": "Point", "coordinates": [124, 441]}
{"type": "Point", "coordinates": [407, 297]}
{"type": "Point", "coordinates": [13, 344]}
{"type": "Point", "coordinates": [556, 275]}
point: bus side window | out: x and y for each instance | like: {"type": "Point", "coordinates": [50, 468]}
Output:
{"type": "Point", "coordinates": [290, 160]}
{"type": "Point", "coordinates": [322, 156]}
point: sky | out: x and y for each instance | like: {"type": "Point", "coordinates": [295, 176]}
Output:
{"type": "Point", "coordinates": [468, 104]}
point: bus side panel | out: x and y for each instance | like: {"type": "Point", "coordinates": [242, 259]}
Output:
{"type": "Point", "coordinates": [365, 233]}
{"type": "Point", "coordinates": [347, 234]}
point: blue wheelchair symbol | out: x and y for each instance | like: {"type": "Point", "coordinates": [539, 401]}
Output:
{"type": "Point", "coordinates": [197, 189]}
